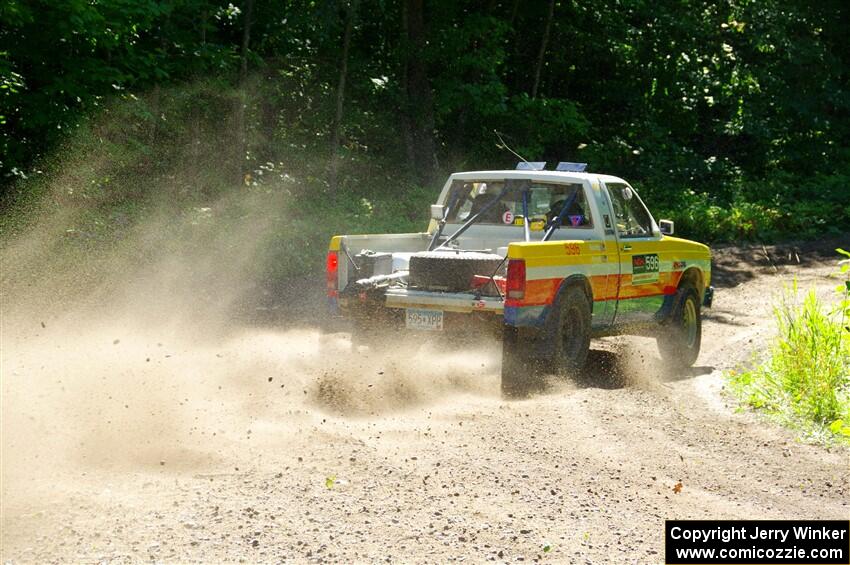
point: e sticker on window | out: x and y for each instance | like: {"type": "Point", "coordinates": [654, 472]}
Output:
{"type": "Point", "coordinates": [644, 269]}
{"type": "Point", "coordinates": [508, 217]}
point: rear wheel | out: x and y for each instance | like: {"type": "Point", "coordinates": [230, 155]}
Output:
{"type": "Point", "coordinates": [373, 326]}
{"type": "Point", "coordinates": [679, 345]}
{"type": "Point", "coordinates": [363, 332]}
{"type": "Point", "coordinates": [572, 335]}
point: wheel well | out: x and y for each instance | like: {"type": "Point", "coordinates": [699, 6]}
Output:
{"type": "Point", "coordinates": [693, 276]}
{"type": "Point", "coordinates": [581, 282]}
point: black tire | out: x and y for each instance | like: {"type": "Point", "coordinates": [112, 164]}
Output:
{"type": "Point", "coordinates": [521, 374]}
{"type": "Point", "coordinates": [681, 337]}
{"type": "Point", "coordinates": [450, 271]}
{"type": "Point", "coordinates": [572, 332]}
{"type": "Point", "coordinates": [373, 328]}
{"type": "Point", "coordinates": [363, 332]}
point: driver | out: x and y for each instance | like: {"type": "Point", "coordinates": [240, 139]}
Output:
{"type": "Point", "coordinates": [574, 216]}
{"type": "Point", "coordinates": [484, 193]}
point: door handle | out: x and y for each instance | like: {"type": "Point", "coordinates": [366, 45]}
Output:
{"type": "Point", "coordinates": [627, 247]}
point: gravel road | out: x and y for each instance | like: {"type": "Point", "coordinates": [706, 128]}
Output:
{"type": "Point", "coordinates": [124, 442]}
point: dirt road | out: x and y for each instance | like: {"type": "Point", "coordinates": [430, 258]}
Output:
{"type": "Point", "coordinates": [123, 443]}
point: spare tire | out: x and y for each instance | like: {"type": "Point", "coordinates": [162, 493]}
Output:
{"type": "Point", "coordinates": [450, 271]}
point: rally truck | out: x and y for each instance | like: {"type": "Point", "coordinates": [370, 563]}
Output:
{"type": "Point", "coordinates": [544, 259]}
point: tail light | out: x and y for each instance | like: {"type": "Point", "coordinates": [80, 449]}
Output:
{"type": "Point", "coordinates": [516, 279]}
{"type": "Point", "coordinates": [333, 273]}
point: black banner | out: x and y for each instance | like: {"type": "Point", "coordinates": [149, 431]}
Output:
{"type": "Point", "coordinates": [761, 542]}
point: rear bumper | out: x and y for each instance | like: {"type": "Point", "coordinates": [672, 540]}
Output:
{"type": "Point", "coordinates": [446, 301]}
{"type": "Point", "coordinates": [457, 304]}
{"type": "Point", "coordinates": [464, 316]}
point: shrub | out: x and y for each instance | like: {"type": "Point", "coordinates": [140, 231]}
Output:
{"type": "Point", "coordinates": [806, 380]}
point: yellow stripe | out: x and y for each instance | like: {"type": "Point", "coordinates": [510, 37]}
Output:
{"type": "Point", "coordinates": [336, 241]}
{"type": "Point", "coordinates": [562, 252]}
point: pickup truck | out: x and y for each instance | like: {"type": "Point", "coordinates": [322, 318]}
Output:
{"type": "Point", "coordinates": [546, 260]}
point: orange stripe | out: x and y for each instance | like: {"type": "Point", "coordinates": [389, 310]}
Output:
{"type": "Point", "coordinates": [540, 292]}
{"type": "Point", "coordinates": [667, 283]}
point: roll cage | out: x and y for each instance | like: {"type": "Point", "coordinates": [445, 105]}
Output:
{"type": "Point", "coordinates": [515, 187]}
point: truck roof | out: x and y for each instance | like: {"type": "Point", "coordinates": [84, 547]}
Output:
{"type": "Point", "coordinates": [551, 176]}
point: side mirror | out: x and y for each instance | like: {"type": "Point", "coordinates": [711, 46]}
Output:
{"type": "Point", "coordinates": [665, 227]}
{"type": "Point", "coordinates": [437, 211]}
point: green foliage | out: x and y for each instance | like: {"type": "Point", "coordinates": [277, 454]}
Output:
{"type": "Point", "coordinates": [167, 154]}
{"type": "Point", "coordinates": [806, 380]}
{"type": "Point", "coordinates": [700, 218]}
{"type": "Point", "coordinates": [732, 117]}
{"type": "Point", "coordinates": [68, 57]}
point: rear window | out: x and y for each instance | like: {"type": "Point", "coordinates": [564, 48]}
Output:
{"type": "Point", "coordinates": [545, 201]}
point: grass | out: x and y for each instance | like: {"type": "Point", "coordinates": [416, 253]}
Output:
{"type": "Point", "coordinates": [805, 381]}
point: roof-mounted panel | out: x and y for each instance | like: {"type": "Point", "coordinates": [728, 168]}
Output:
{"type": "Point", "coordinates": [531, 165]}
{"type": "Point", "coordinates": [568, 167]}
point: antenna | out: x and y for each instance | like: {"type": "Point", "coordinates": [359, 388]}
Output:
{"type": "Point", "coordinates": [505, 146]}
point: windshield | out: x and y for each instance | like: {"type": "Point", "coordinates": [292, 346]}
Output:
{"type": "Point", "coordinates": [545, 201]}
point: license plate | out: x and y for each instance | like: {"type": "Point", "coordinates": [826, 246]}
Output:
{"type": "Point", "coordinates": [428, 320]}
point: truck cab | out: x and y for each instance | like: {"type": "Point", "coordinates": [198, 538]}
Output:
{"type": "Point", "coordinates": [547, 259]}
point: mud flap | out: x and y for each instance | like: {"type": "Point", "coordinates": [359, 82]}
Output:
{"type": "Point", "coordinates": [708, 297]}
{"type": "Point", "coordinates": [522, 370]}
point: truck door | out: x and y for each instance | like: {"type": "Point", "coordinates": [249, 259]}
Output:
{"type": "Point", "coordinates": [605, 273]}
{"type": "Point", "coordinates": [639, 293]}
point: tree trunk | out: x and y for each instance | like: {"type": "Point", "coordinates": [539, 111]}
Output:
{"type": "Point", "coordinates": [407, 125]}
{"type": "Point", "coordinates": [541, 58]}
{"type": "Point", "coordinates": [242, 102]}
{"type": "Point", "coordinates": [351, 15]}
{"type": "Point", "coordinates": [514, 12]}
{"type": "Point", "coordinates": [404, 113]}
{"type": "Point", "coordinates": [156, 98]}
{"type": "Point", "coordinates": [246, 42]}
{"type": "Point", "coordinates": [197, 113]}
{"type": "Point", "coordinates": [420, 100]}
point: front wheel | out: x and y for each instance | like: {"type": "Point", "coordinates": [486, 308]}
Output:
{"type": "Point", "coordinates": [679, 344]}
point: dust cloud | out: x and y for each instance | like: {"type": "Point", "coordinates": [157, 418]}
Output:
{"type": "Point", "coordinates": [150, 352]}
{"type": "Point", "coordinates": [162, 401]}
{"type": "Point", "coordinates": [151, 356]}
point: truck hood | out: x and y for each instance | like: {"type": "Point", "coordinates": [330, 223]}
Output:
{"type": "Point", "coordinates": [686, 245]}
